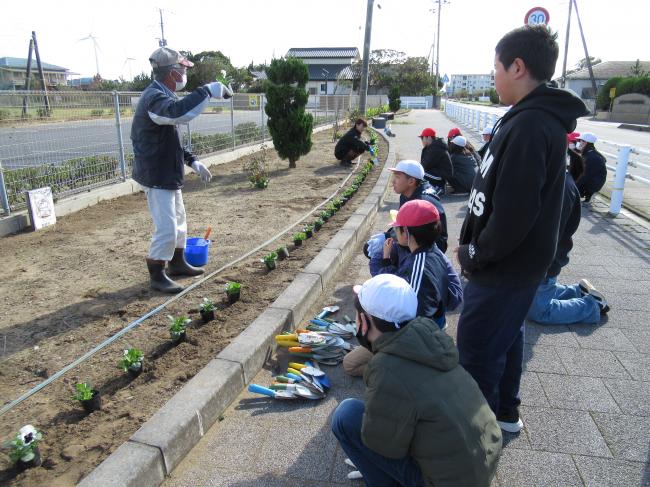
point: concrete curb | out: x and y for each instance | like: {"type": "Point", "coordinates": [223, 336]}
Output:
{"type": "Point", "coordinates": [162, 442]}
{"type": "Point", "coordinates": [19, 220]}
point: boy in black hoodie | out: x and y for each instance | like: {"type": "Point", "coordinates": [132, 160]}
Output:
{"type": "Point", "coordinates": [510, 232]}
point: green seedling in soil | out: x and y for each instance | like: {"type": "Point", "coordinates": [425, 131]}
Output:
{"type": "Point", "coordinates": [233, 287]}
{"type": "Point", "coordinates": [132, 359]}
{"type": "Point", "coordinates": [178, 325]}
{"type": "Point", "coordinates": [299, 237]}
{"type": "Point", "coordinates": [282, 252]}
{"type": "Point", "coordinates": [308, 230]}
{"type": "Point", "coordinates": [83, 392]}
{"type": "Point", "coordinates": [337, 203]}
{"type": "Point", "coordinates": [24, 445]}
{"type": "Point", "coordinates": [325, 215]}
{"type": "Point", "coordinates": [331, 208]}
{"type": "Point", "coordinates": [206, 306]}
{"type": "Point", "coordinates": [318, 224]}
{"type": "Point", "coordinates": [272, 257]}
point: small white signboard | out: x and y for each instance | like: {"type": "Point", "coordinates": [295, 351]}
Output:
{"type": "Point", "coordinates": [41, 207]}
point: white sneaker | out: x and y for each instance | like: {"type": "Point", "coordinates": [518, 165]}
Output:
{"type": "Point", "coordinates": [355, 475]}
{"type": "Point", "coordinates": [511, 427]}
{"type": "Point", "coordinates": [349, 463]}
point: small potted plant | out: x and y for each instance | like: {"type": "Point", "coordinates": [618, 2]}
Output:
{"type": "Point", "coordinates": [337, 203]}
{"type": "Point", "coordinates": [298, 238]}
{"type": "Point", "coordinates": [23, 449]}
{"type": "Point", "coordinates": [233, 290]}
{"type": "Point", "coordinates": [308, 230]}
{"type": "Point", "coordinates": [282, 252]}
{"type": "Point", "coordinates": [269, 260]}
{"type": "Point", "coordinates": [318, 224]}
{"type": "Point", "coordinates": [324, 215]}
{"type": "Point", "coordinates": [132, 361]}
{"type": "Point", "coordinates": [178, 328]}
{"type": "Point", "coordinates": [89, 398]}
{"type": "Point", "coordinates": [206, 308]}
{"type": "Point", "coordinates": [331, 207]}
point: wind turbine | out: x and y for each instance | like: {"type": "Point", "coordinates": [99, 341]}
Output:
{"type": "Point", "coordinates": [94, 39]}
{"type": "Point", "coordinates": [128, 61]}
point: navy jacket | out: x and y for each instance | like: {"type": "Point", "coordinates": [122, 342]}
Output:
{"type": "Point", "coordinates": [509, 235]}
{"type": "Point", "coordinates": [431, 276]}
{"type": "Point", "coordinates": [159, 156]}
{"type": "Point", "coordinates": [350, 140]}
{"type": "Point", "coordinates": [569, 222]}
{"type": "Point", "coordinates": [426, 192]}
{"type": "Point", "coordinates": [464, 172]}
{"type": "Point", "coordinates": [595, 174]}
{"type": "Point", "coordinates": [436, 163]}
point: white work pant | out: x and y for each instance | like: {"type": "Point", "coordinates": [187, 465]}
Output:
{"type": "Point", "coordinates": [168, 214]}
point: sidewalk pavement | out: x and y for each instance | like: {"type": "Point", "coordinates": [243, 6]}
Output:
{"type": "Point", "coordinates": [585, 390]}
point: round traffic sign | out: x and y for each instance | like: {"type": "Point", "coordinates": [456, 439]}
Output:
{"type": "Point", "coordinates": [537, 15]}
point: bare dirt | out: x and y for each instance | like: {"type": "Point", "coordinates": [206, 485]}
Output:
{"type": "Point", "coordinates": [68, 288]}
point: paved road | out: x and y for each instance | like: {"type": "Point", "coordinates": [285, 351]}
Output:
{"type": "Point", "coordinates": [585, 390]}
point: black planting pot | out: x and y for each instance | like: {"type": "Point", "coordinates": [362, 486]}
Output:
{"type": "Point", "coordinates": [309, 233]}
{"type": "Point", "coordinates": [178, 338]}
{"type": "Point", "coordinates": [270, 264]}
{"type": "Point", "coordinates": [207, 316]}
{"type": "Point", "coordinates": [297, 243]}
{"type": "Point", "coordinates": [233, 297]}
{"type": "Point", "coordinates": [94, 403]}
{"type": "Point", "coordinates": [136, 372]}
{"type": "Point", "coordinates": [283, 253]}
{"type": "Point", "coordinates": [324, 218]}
{"type": "Point", "coordinates": [317, 226]}
{"type": "Point", "coordinates": [34, 462]}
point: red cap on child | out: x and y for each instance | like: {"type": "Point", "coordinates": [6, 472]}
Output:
{"type": "Point", "coordinates": [416, 213]}
{"type": "Point", "coordinates": [453, 133]}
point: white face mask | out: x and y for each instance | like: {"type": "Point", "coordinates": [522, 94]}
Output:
{"type": "Point", "coordinates": [580, 145]}
{"type": "Point", "coordinates": [181, 84]}
{"type": "Point", "coordinates": [572, 145]}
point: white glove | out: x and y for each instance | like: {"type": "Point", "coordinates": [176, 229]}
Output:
{"type": "Point", "coordinates": [219, 90]}
{"type": "Point", "coordinates": [376, 246]}
{"type": "Point", "coordinates": [202, 171]}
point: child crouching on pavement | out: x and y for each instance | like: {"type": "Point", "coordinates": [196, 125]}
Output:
{"type": "Point", "coordinates": [420, 262]}
{"type": "Point", "coordinates": [424, 420]}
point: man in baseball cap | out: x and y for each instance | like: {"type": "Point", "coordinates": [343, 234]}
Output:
{"type": "Point", "coordinates": [435, 159]}
{"type": "Point", "coordinates": [424, 420]}
{"type": "Point", "coordinates": [486, 135]}
{"type": "Point", "coordinates": [160, 160]}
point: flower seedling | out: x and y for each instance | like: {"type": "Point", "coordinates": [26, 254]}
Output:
{"type": "Point", "coordinates": [132, 361]}
{"type": "Point", "coordinates": [233, 290]}
{"type": "Point", "coordinates": [88, 397]}
{"type": "Point", "coordinates": [269, 260]}
{"type": "Point", "coordinates": [23, 449]}
{"type": "Point", "coordinates": [298, 238]}
{"type": "Point", "coordinates": [178, 327]}
{"type": "Point", "coordinates": [325, 215]}
{"type": "Point", "coordinates": [318, 224]}
{"type": "Point", "coordinates": [308, 230]}
{"type": "Point", "coordinates": [206, 308]}
{"type": "Point", "coordinates": [282, 252]}
{"type": "Point", "coordinates": [337, 203]}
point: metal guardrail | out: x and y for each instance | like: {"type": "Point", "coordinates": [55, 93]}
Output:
{"type": "Point", "coordinates": [82, 140]}
{"type": "Point", "coordinates": [477, 119]}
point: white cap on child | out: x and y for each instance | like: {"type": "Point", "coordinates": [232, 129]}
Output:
{"type": "Point", "coordinates": [389, 298]}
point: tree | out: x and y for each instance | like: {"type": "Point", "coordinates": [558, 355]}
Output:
{"type": "Point", "coordinates": [494, 96]}
{"type": "Point", "coordinates": [141, 81]}
{"type": "Point", "coordinates": [637, 70]}
{"type": "Point", "coordinates": [413, 76]}
{"type": "Point", "coordinates": [207, 67]}
{"type": "Point", "coordinates": [290, 126]}
{"type": "Point", "coordinates": [394, 101]}
{"type": "Point", "coordinates": [582, 64]}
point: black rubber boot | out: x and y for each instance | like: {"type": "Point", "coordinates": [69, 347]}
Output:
{"type": "Point", "coordinates": [159, 280]}
{"type": "Point", "coordinates": [178, 266]}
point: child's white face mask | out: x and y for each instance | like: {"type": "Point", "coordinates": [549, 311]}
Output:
{"type": "Point", "coordinates": [572, 146]}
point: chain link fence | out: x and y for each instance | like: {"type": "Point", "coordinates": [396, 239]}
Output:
{"type": "Point", "coordinates": [76, 141]}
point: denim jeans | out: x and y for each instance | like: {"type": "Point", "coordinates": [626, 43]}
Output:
{"type": "Point", "coordinates": [491, 341]}
{"type": "Point", "coordinates": [377, 470]}
{"type": "Point", "coordinates": [557, 304]}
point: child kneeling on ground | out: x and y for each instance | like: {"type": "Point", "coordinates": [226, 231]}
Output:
{"type": "Point", "coordinates": [423, 265]}
{"type": "Point", "coordinates": [424, 420]}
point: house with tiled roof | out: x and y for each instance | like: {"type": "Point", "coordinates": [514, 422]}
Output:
{"type": "Point", "coordinates": [327, 66]}
{"type": "Point", "coordinates": [580, 82]}
{"type": "Point", "coordinates": [13, 72]}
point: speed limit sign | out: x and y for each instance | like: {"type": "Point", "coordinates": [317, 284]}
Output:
{"type": "Point", "coordinates": [537, 15]}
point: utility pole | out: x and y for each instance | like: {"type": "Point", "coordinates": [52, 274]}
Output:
{"type": "Point", "coordinates": [566, 44]}
{"type": "Point", "coordinates": [162, 42]}
{"type": "Point", "coordinates": [436, 103]}
{"type": "Point", "coordinates": [584, 43]}
{"type": "Point", "coordinates": [40, 73]}
{"type": "Point", "coordinates": [28, 79]}
{"type": "Point", "coordinates": [366, 60]}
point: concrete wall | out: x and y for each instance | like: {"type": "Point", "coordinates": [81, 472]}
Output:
{"type": "Point", "coordinates": [632, 108]}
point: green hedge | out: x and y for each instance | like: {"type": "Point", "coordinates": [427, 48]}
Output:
{"type": "Point", "coordinates": [624, 86]}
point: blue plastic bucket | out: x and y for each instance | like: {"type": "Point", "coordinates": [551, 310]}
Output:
{"type": "Point", "coordinates": [196, 251]}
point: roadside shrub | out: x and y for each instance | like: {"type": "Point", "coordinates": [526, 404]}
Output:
{"type": "Point", "coordinates": [494, 96]}
{"type": "Point", "coordinates": [394, 102]}
{"type": "Point", "coordinates": [5, 114]}
{"type": "Point", "coordinates": [205, 144]}
{"type": "Point", "coordinates": [247, 132]}
{"type": "Point", "coordinates": [96, 112]}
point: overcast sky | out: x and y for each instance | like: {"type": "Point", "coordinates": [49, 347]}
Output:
{"type": "Point", "coordinates": [256, 30]}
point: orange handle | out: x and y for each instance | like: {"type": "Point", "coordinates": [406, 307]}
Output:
{"type": "Point", "coordinates": [300, 349]}
{"type": "Point", "coordinates": [207, 233]}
